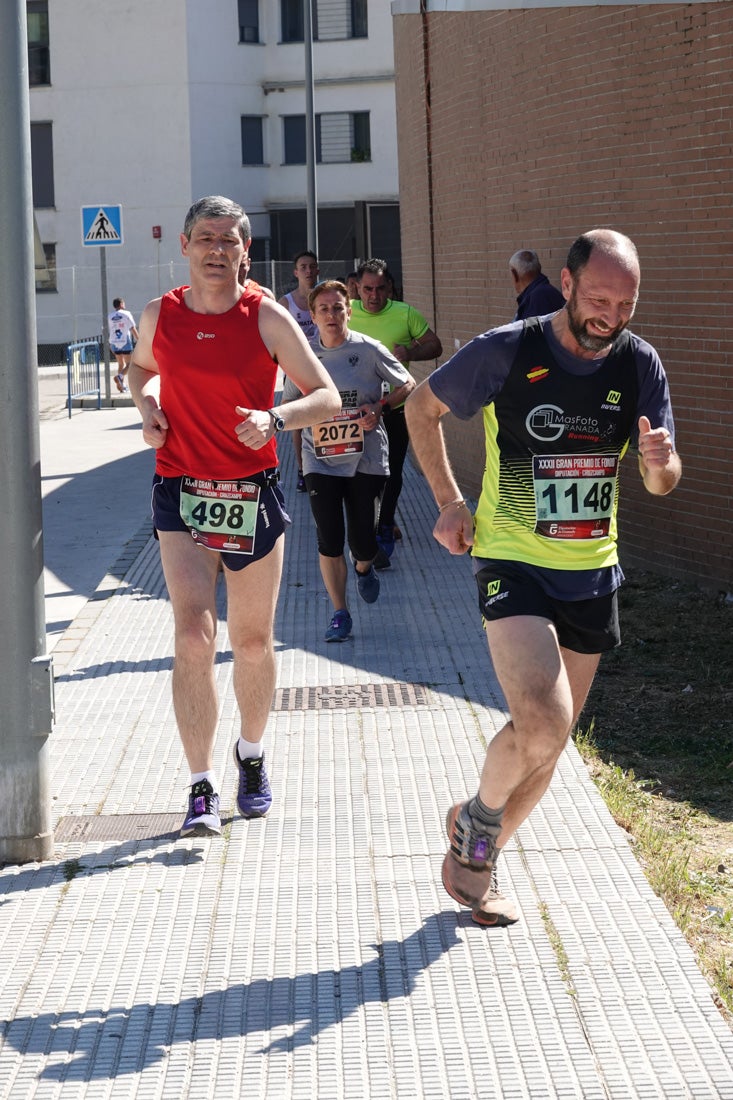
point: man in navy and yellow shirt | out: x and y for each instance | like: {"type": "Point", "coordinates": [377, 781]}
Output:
{"type": "Point", "coordinates": [562, 397]}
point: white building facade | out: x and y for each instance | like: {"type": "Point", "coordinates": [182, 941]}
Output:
{"type": "Point", "coordinates": [150, 105]}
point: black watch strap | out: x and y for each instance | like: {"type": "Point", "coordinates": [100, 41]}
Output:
{"type": "Point", "coordinates": [277, 421]}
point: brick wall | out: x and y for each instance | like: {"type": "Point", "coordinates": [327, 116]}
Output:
{"type": "Point", "coordinates": [547, 122]}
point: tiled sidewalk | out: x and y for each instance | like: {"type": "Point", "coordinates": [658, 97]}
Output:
{"type": "Point", "coordinates": [314, 954]}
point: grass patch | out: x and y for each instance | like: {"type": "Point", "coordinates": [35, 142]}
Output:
{"type": "Point", "coordinates": [671, 845]}
{"type": "Point", "coordinates": [657, 738]}
{"type": "Point", "coordinates": [563, 963]}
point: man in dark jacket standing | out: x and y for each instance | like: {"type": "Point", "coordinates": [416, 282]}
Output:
{"type": "Point", "coordinates": [536, 295]}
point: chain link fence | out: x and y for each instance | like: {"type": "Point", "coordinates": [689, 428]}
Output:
{"type": "Point", "coordinates": [73, 310]}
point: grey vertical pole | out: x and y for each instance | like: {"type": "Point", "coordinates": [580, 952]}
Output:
{"type": "Point", "coordinates": [26, 679]}
{"type": "Point", "coordinates": [105, 326]}
{"type": "Point", "coordinates": [310, 132]}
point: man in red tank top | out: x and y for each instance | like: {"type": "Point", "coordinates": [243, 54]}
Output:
{"type": "Point", "coordinates": [203, 376]}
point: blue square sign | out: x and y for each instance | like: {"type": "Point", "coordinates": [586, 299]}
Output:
{"type": "Point", "coordinates": [101, 225]}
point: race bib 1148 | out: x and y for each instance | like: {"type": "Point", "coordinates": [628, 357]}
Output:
{"type": "Point", "coordinates": [574, 495]}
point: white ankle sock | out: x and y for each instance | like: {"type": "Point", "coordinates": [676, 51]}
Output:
{"type": "Point", "coordinates": [249, 750]}
{"type": "Point", "coordinates": [210, 777]}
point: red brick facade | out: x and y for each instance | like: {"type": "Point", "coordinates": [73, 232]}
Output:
{"type": "Point", "coordinates": [540, 124]}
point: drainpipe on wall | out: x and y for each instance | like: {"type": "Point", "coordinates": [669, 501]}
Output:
{"type": "Point", "coordinates": [429, 148]}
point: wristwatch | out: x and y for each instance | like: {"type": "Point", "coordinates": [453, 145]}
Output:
{"type": "Point", "coordinates": [277, 421]}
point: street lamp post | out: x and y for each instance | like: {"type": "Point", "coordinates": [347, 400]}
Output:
{"type": "Point", "coordinates": [310, 132]}
{"type": "Point", "coordinates": [26, 675]}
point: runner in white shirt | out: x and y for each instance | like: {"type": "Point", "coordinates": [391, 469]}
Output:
{"type": "Point", "coordinates": [305, 270]}
{"type": "Point", "coordinates": [122, 330]}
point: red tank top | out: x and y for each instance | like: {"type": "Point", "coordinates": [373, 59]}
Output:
{"type": "Point", "coordinates": [209, 363]}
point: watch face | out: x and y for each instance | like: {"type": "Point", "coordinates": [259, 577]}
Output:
{"type": "Point", "coordinates": [277, 421]}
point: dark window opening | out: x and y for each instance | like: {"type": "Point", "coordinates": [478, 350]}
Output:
{"type": "Point", "coordinates": [39, 62]}
{"type": "Point", "coordinates": [249, 20]}
{"type": "Point", "coordinates": [42, 164]}
{"type": "Point", "coordinates": [252, 143]}
{"type": "Point", "coordinates": [46, 268]}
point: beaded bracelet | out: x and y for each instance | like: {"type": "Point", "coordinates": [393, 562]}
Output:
{"type": "Point", "coordinates": [451, 504]}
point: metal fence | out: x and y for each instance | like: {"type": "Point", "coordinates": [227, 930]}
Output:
{"type": "Point", "coordinates": [83, 373]}
{"type": "Point", "coordinates": [73, 308]}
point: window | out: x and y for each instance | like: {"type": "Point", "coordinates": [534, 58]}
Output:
{"type": "Point", "coordinates": [42, 164]}
{"type": "Point", "coordinates": [361, 140]}
{"type": "Point", "coordinates": [332, 19]}
{"type": "Point", "coordinates": [46, 268]}
{"type": "Point", "coordinates": [340, 137]}
{"type": "Point", "coordinates": [359, 25]}
{"type": "Point", "coordinates": [294, 139]}
{"type": "Point", "coordinates": [338, 19]}
{"type": "Point", "coordinates": [39, 68]}
{"type": "Point", "coordinates": [252, 146]}
{"type": "Point", "coordinates": [292, 18]}
{"type": "Point", "coordinates": [335, 142]}
{"type": "Point", "coordinates": [249, 20]}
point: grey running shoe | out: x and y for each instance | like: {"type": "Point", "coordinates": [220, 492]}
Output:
{"type": "Point", "coordinates": [202, 818]}
{"type": "Point", "coordinates": [469, 871]}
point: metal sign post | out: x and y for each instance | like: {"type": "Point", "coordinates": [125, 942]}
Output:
{"type": "Point", "coordinates": [101, 225]}
{"type": "Point", "coordinates": [105, 326]}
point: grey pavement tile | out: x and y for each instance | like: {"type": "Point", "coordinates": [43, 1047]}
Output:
{"type": "Point", "coordinates": [314, 953]}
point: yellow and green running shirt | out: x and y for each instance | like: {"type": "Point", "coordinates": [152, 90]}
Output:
{"type": "Point", "coordinates": [556, 428]}
{"type": "Point", "coordinates": [397, 323]}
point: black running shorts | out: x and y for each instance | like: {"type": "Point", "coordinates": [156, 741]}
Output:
{"type": "Point", "coordinates": [506, 588]}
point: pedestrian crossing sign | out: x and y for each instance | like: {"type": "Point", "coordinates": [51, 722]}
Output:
{"type": "Point", "coordinates": [101, 225]}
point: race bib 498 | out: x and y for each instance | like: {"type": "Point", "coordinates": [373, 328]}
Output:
{"type": "Point", "coordinates": [221, 515]}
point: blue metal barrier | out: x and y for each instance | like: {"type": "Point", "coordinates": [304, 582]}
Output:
{"type": "Point", "coordinates": [83, 372]}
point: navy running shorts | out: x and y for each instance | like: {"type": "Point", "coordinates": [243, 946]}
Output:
{"type": "Point", "coordinates": [272, 518]}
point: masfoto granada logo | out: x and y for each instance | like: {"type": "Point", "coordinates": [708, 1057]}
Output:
{"type": "Point", "coordinates": [538, 373]}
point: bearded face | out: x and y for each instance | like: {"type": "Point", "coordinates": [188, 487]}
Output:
{"type": "Point", "coordinates": [590, 331]}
